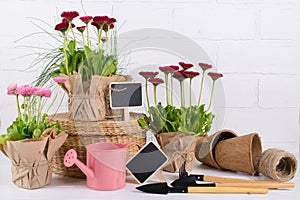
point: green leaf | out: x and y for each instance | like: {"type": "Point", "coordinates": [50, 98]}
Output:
{"type": "Point", "coordinates": [71, 47]}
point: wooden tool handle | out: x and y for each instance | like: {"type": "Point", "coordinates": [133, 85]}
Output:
{"type": "Point", "coordinates": [253, 185]}
{"type": "Point", "coordinates": [256, 183]}
{"type": "Point", "coordinates": [227, 190]}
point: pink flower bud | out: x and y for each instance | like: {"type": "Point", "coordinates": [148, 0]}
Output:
{"type": "Point", "coordinates": [59, 79]}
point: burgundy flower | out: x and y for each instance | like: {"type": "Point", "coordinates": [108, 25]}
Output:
{"type": "Point", "coordinates": [96, 25]}
{"type": "Point", "coordinates": [86, 19]}
{"type": "Point", "coordinates": [169, 69]}
{"type": "Point", "coordinates": [205, 66]}
{"type": "Point", "coordinates": [61, 26]}
{"type": "Point", "coordinates": [215, 75]}
{"type": "Point", "coordinates": [180, 75]}
{"type": "Point", "coordinates": [148, 75]}
{"type": "Point", "coordinates": [81, 29]}
{"type": "Point", "coordinates": [185, 66]}
{"type": "Point", "coordinates": [69, 15]}
{"type": "Point", "coordinates": [105, 27]}
{"type": "Point", "coordinates": [191, 74]}
{"type": "Point", "coordinates": [111, 20]}
{"type": "Point", "coordinates": [156, 81]}
{"type": "Point", "coordinates": [101, 20]}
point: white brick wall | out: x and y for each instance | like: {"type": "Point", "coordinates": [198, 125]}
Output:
{"type": "Point", "coordinates": [255, 43]}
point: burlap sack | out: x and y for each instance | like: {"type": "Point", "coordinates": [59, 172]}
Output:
{"type": "Point", "coordinates": [179, 147]}
{"type": "Point", "coordinates": [31, 158]}
{"type": "Point", "coordinates": [89, 101]}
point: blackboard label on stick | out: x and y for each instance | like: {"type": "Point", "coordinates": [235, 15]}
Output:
{"type": "Point", "coordinates": [124, 95]}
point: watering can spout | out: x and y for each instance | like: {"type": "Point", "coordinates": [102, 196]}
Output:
{"type": "Point", "coordinates": [71, 159]}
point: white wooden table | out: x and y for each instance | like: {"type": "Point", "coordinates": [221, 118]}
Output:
{"type": "Point", "coordinates": [72, 188]}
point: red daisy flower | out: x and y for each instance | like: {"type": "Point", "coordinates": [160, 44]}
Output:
{"type": "Point", "coordinates": [69, 15]}
{"type": "Point", "coordinates": [101, 20]}
{"type": "Point", "coordinates": [205, 66]}
{"type": "Point", "coordinates": [86, 19]}
{"type": "Point", "coordinates": [148, 75]}
{"type": "Point", "coordinates": [215, 75]}
{"type": "Point", "coordinates": [112, 20]}
{"type": "Point", "coordinates": [156, 81]}
{"type": "Point", "coordinates": [169, 69]}
{"type": "Point", "coordinates": [96, 25]}
{"type": "Point", "coordinates": [180, 75]}
{"type": "Point", "coordinates": [61, 26]}
{"type": "Point", "coordinates": [191, 74]}
{"type": "Point", "coordinates": [185, 66]}
{"type": "Point", "coordinates": [81, 29]}
{"type": "Point", "coordinates": [105, 27]}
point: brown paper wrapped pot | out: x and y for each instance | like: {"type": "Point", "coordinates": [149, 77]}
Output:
{"type": "Point", "coordinates": [240, 153]}
{"type": "Point", "coordinates": [179, 147]}
{"type": "Point", "coordinates": [205, 149]}
{"type": "Point", "coordinates": [31, 158]}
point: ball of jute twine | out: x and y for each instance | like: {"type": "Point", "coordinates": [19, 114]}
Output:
{"type": "Point", "coordinates": [278, 165]}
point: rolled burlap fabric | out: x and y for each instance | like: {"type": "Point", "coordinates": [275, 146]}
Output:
{"type": "Point", "coordinates": [278, 165]}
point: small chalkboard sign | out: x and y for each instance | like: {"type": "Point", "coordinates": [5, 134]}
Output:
{"type": "Point", "coordinates": [124, 95]}
{"type": "Point", "coordinates": [146, 162]}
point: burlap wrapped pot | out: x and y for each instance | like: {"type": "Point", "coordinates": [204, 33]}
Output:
{"type": "Point", "coordinates": [240, 153]}
{"type": "Point", "coordinates": [205, 149]}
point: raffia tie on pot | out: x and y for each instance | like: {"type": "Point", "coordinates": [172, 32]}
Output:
{"type": "Point", "coordinates": [278, 165]}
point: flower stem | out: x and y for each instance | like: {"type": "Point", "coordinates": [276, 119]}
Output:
{"type": "Point", "coordinates": [211, 96]}
{"type": "Point", "coordinates": [155, 99]}
{"type": "Point", "coordinates": [18, 106]}
{"type": "Point", "coordinates": [99, 37]}
{"type": "Point", "coordinates": [83, 39]}
{"type": "Point", "coordinates": [70, 27]}
{"type": "Point", "coordinates": [88, 36]}
{"type": "Point", "coordinates": [191, 92]}
{"type": "Point", "coordinates": [66, 56]}
{"type": "Point", "coordinates": [201, 87]}
{"type": "Point", "coordinates": [39, 109]}
{"type": "Point", "coordinates": [182, 94]}
{"type": "Point", "coordinates": [172, 85]}
{"type": "Point", "coordinates": [51, 104]}
{"type": "Point", "coordinates": [167, 91]}
{"type": "Point", "coordinates": [147, 94]}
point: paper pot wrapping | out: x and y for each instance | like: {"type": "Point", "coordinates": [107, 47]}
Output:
{"type": "Point", "coordinates": [31, 158]}
{"type": "Point", "coordinates": [89, 100]}
{"type": "Point", "coordinates": [179, 147]}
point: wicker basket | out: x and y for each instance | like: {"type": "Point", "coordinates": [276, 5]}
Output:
{"type": "Point", "coordinates": [88, 132]}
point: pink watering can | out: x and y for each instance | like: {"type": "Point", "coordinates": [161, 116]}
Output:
{"type": "Point", "coordinates": [106, 165]}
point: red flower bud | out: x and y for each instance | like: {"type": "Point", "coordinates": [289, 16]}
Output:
{"type": "Point", "coordinates": [215, 75]}
{"type": "Point", "coordinates": [185, 66]}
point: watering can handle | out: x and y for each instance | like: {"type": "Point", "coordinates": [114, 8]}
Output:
{"type": "Point", "coordinates": [125, 145]}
